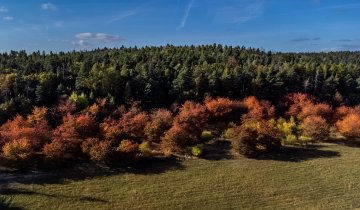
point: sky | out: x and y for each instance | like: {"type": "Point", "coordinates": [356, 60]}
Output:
{"type": "Point", "coordinates": [276, 25]}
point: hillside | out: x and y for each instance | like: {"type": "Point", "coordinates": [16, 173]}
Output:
{"type": "Point", "coordinates": [324, 176]}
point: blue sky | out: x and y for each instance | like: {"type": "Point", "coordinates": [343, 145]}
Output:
{"type": "Point", "coordinates": [277, 25]}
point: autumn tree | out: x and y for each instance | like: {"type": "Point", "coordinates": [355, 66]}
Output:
{"type": "Point", "coordinates": [349, 125]}
{"type": "Point", "coordinates": [98, 150]}
{"type": "Point", "coordinates": [187, 126]}
{"type": "Point", "coordinates": [258, 109]}
{"type": "Point", "coordinates": [256, 136]}
{"type": "Point", "coordinates": [315, 127]}
{"type": "Point", "coordinates": [223, 109]}
{"type": "Point", "coordinates": [160, 121]}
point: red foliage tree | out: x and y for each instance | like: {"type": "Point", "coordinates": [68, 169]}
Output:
{"type": "Point", "coordinates": [302, 106]}
{"type": "Point", "coordinates": [258, 109]}
{"type": "Point", "coordinates": [187, 127]}
{"type": "Point", "coordinates": [256, 136]}
{"type": "Point", "coordinates": [160, 121]}
{"type": "Point", "coordinates": [349, 125]}
{"type": "Point", "coordinates": [35, 128]}
{"type": "Point", "coordinates": [315, 127]}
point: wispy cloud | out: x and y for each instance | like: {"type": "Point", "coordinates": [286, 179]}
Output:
{"type": "Point", "coordinates": [102, 37]}
{"type": "Point", "coordinates": [8, 18]}
{"type": "Point", "coordinates": [305, 39]}
{"type": "Point", "coordinates": [84, 35]}
{"type": "Point", "coordinates": [106, 37]}
{"type": "Point", "coordinates": [240, 13]}
{"type": "Point", "coordinates": [186, 15]}
{"type": "Point", "coordinates": [48, 7]}
{"type": "Point", "coordinates": [81, 44]}
{"type": "Point", "coordinates": [3, 9]}
{"type": "Point", "coordinates": [342, 40]}
{"type": "Point", "coordinates": [87, 39]}
{"type": "Point", "coordinates": [124, 15]}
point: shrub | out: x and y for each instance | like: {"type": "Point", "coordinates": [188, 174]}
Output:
{"type": "Point", "coordinates": [222, 108]}
{"type": "Point", "coordinates": [256, 136]}
{"type": "Point", "coordinates": [145, 149]}
{"type": "Point", "coordinates": [207, 135]}
{"type": "Point", "coordinates": [101, 152]}
{"type": "Point", "coordinates": [192, 115]}
{"type": "Point", "coordinates": [56, 151]}
{"type": "Point", "coordinates": [290, 130]}
{"type": "Point", "coordinates": [18, 150]}
{"type": "Point", "coordinates": [130, 126]}
{"type": "Point", "coordinates": [349, 126]}
{"type": "Point", "coordinates": [197, 150]}
{"type": "Point", "coordinates": [258, 109]}
{"type": "Point", "coordinates": [36, 131]}
{"type": "Point", "coordinates": [316, 128]}
{"type": "Point", "coordinates": [160, 121]}
{"type": "Point", "coordinates": [128, 147]}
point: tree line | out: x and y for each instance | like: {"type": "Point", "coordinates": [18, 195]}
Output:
{"type": "Point", "coordinates": [124, 104]}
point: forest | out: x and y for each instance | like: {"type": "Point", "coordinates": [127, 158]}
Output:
{"type": "Point", "coordinates": [121, 105]}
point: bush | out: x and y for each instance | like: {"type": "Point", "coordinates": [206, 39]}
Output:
{"type": "Point", "coordinates": [197, 150]}
{"type": "Point", "coordinates": [207, 135]}
{"type": "Point", "coordinates": [99, 151]}
{"type": "Point", "coordinates": [186, 129]}
{"type": "Point", "coordinates": [256, 136]}
{"type": "Point", "coordinates": [290, 131]}
{"type": "Point", "coordinates": [145, 149]}
{"type": "Point", "coordinates": [160, 121]}
{"type": "Point", "coordinates": [18, 150]}
{"type": "Point", "coordinates": [56, 151]}
{"type": "Point", "coordinates": [128, 147]}
{"type": "Point", "coordinates": [258, 109]}
{"type": "Point", "coordinates": [349, 125]}
{"type": "Point", "coordinates": [316, 128]}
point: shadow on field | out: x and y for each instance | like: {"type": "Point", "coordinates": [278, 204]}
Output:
{"type": "Point", "coordinates": [86, 171]}
{"type": "Point", "coordinates": [346, 142]}
{"type": "Point", "coordinates": [299, 154]}
{"type": "Point", "coordinates": [217, 150]}
{"type": "Point", "coordinates": [12, 191]}
{"type": "Point", "coordinates": [6, 205]}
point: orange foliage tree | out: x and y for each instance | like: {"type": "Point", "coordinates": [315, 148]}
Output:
{"type": "Point", "coordinates": [160, 121]}
{"type": "Point", "coordinates": [258, 109]}
{"type": "Point", "coordinates": [349, 125]}
{"type": "Point", "coordinates": [187, 126]}
{"type": "Point", "coordinates": [256, 136]}
{"type": "Point", "coordinates": [34, 128]}
{"type": "Point", "coordinates": [302, 106]}
{"type": "Point", "coordinates": [315, 127]}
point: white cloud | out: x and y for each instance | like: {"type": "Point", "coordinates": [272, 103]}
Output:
{"type": "Point", "coordinates": [82, 44]}
{"type": "Point", "coordinates": [3, 9]}
{"type": "Point", "coordinates": [84, 35]}
{"type": "Point", "coordinates": [8, 18]}
{"type": "Point", "coordinates": [102, 37]}
{"type": "Point", "coordinates": [48, 7]}
{"type": "Point", "coordinates": [186, 15]}
{"type": "Point", "coordinates": [106, 37]}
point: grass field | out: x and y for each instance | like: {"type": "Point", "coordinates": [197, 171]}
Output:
{"type": "Point", "coordinates": [326, 176]}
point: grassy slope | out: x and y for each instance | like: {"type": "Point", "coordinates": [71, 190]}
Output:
{"type": "Point", "coordinates": [325, 178]}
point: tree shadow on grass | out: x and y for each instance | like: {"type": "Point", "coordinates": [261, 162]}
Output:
{"type": "Point", "coordinates": [299, 154]}
{"type": "Point", "coordinates": [5, 205]}
{"type": "Point", "coordinates": [217, 150]}
{"type": "Point", "coordinates": [87, 171]}
{"type": "Point", "coordinates": [12, 191]}
{"type": "Point", "coordinates": [349, 142]}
